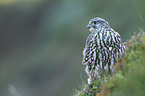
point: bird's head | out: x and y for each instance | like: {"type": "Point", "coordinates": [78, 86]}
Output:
{"type": "Point", "coordinates": [97, 23]}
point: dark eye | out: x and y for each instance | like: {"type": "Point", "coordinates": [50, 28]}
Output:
{"type": "Point", "coordinates": [95, 22]}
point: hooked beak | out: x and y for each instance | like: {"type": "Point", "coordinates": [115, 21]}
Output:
{"type": "Point", "coordinates": [89, 26]}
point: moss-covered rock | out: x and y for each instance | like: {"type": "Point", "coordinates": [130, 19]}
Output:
{"type": "Point", "coordinates": [129, 78]}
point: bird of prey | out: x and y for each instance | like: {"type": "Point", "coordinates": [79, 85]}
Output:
{"type": "Point", "coordinates": [102, 49]}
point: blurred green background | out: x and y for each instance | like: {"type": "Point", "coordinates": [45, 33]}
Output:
{"type": "Point", "coordinates": [42, 41]}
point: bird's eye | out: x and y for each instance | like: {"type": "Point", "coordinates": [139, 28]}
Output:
{"type": "Point", "coordinates": [95, 22]}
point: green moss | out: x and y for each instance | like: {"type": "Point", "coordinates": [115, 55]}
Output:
{"type": "Point", "coordinates": [110, 85]}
